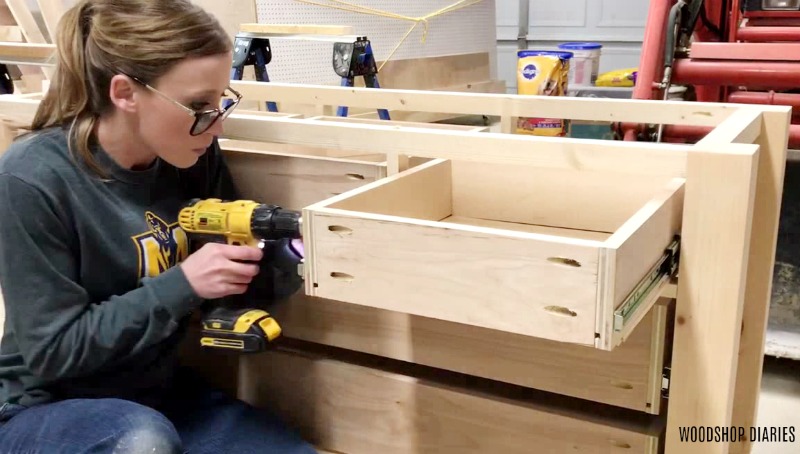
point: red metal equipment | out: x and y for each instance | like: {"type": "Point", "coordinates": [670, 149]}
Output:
{"type": "Point", "coordinates": [741, 51]}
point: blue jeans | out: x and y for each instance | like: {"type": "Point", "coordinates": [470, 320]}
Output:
{"type": "Point", "coordinates": [209, 422]}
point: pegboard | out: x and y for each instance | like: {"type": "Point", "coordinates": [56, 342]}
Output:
{"type": "Point", "coordinates": [468, 30]}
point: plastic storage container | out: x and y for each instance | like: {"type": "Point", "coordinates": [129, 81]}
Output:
{"type": "Point", "coordinates": [543, 73]}
{"type": "Point", "coordinates": [585, 64]}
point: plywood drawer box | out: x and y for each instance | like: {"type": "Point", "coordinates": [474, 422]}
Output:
{"type": "Point", "coordinates": [525, 250]}
{"type": "Point", "coordinates": [350, 404]}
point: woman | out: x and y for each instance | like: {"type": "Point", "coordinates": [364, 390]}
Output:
{"type": "Point", "coordinates": [97, 277]}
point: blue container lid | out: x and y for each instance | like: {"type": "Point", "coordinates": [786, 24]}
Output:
{"type": "Point", "coordinates": [580, 46]}
{"type": "Point", "coordinates": [533, 53]}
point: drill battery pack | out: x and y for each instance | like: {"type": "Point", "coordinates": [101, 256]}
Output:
{"type": "Point", "coordinates": [241, 330]}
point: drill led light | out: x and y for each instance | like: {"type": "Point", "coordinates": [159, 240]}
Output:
{"type": "Point", "coordinates": [780, 5]}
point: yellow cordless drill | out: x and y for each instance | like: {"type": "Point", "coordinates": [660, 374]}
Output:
{"type": "Point", "coordinates": [240, 222]}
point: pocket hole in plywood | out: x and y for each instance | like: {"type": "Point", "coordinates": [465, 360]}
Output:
{"type": "Point", "coordinates": [620, 444]}
{"type": "Point", "coordinates": [621, 385]}
{"type": "Point", "coordinates": [560, 310]}
{"type": "Point", "coordinates": [340, 229]}
{"type": "Point", "coordinates": [354, 176]}
{"type": "Point", "coordinates": [342, 276]}
{"type": "Point", "coordinates": [564, 261]}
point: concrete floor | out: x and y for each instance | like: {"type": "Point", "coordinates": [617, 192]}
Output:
{"type": "Point", "coordinates": [779, 403]}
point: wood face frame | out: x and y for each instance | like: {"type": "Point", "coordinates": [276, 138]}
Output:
{"type": "Point", "coordinates": [733, 176]}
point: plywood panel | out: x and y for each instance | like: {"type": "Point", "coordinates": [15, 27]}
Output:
{"type": "Point", "coordinates": [296, 180]}
{"type": "Point", "coordinates": [628, 376]}
{"type": "Point", "coordinates": [435, 72]}
{"type": "Point", "coordinates": [358, 408]}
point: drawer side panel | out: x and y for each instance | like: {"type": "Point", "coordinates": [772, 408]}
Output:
{"type": "Point", "coordinates": [297, 181]}
{"type": "Point", "coordinates": [641, 242]}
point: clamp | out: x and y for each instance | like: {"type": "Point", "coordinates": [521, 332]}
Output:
{"type": "Point", "coordinates": [251, 50]}
{"type": "Point", "coordinates": [355, 59]}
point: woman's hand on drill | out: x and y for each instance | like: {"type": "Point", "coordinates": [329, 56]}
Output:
{"type": "Point", "coordinates": [216, 270]}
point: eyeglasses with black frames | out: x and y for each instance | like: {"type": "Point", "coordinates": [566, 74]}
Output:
{"type": "Point", "coordinates": [203, 119]}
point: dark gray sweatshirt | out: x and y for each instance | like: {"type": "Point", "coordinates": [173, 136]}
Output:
{"type": "Point", "coordinates": [95, 306]}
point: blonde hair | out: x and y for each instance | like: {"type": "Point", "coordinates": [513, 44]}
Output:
{"type": "Point", "coordinates": [98, 39]}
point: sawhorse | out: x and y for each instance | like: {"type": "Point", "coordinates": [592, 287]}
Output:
{"type": "Point", "coordinates": [351, 60]}
{"type": "Point", "coordinates": [252, 50]}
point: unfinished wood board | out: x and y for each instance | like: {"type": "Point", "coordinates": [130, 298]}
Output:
{"type": "Point", "coordinates": [400, 124]}
{"type": "Point", "coordinates": [296, 29]}
{"type": "Point", "coordinates": [30, 31]}
{"type": "Point", "coordinates": [772, 131]}
{"type": "Point", "coordinates": [435, 72]}
{"type": "Point", "coordinates": [302, 150]}
{"type": "Point", "coordinates": [10, 33]}
{"type": "Point", "coordinates": [388, 238]}
{"type": "Point", "coordinates": [552, 153]}
{"type": "Point", "coordinates": [266, 113]}
{"type": "Point", "coordinates": [489, 86]}
{"type": "Point", "coordinates": [629, 376]}
{"type": "Point", "coordinates": [549, 197]}
{"type": "Point", "coordinates": [505, 105]}
{"type": "Point", "coordinates": [51, 11]}
{"type": "Point", "coordinates": [530, 228]}
{"type": "Point", "coordinates": [19, 110]}
{"type": "Point", "coordinates": [634, 247]}
{"type": "Point", "coordinates": [295, 180]}
{"type": "Point", "coordinates": [27, 53]}
{"type": "Point", "coordinates": [359, 408]}
{"type": "Point", "coordinates": [7, 19]}
{"type": "Point", "coordinates": [27, 23]}
{"type": "Point", "coordinates": [709, 317]}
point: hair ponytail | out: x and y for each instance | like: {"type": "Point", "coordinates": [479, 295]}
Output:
{"type": "Point", "coordinates": [67, 97]}
{"type": "Point", "coordinates": [97, 39]}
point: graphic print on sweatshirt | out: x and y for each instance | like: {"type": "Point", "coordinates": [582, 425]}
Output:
{"type": "Point", "coordinates": [161, 247]}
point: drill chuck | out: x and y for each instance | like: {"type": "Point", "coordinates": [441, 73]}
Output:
{"type": "Point", "coordinates": [271, 222]}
